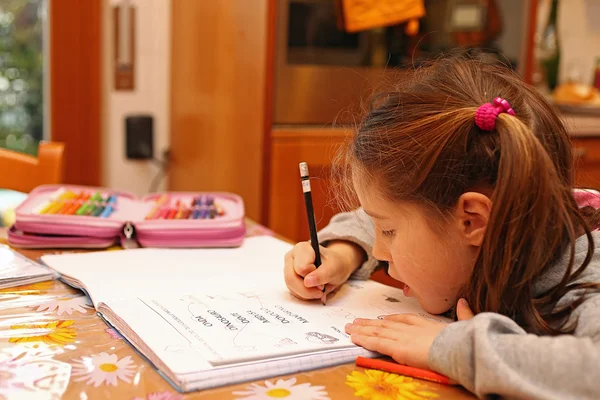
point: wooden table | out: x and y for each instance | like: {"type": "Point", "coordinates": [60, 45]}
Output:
{"type": "Point", "coordinates": [53, 344]}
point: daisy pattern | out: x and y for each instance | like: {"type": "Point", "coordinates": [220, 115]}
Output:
{"type": "Point", "coordinates": [31, 374]}
{"type": "Point", "coordinates": [103, 368]}
{"type": "Point", "coordinates": [161, 396]}
{"type": "Point", "coordinates": [283, 389]}
{"type": "Point", "coordinates": [379, 385]}
{"type": "Point", "coordinates": [54, 333]}
{"type": "Point", "coordinates": [65, 305]}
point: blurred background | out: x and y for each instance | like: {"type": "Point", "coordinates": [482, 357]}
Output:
{"type": "Point", "coordinates": [231, 95]}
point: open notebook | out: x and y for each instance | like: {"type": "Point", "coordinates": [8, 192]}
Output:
{"type": "Point", "coordinates": [212, 317]}
{"type": "Point", "coordinates": [17, 270]}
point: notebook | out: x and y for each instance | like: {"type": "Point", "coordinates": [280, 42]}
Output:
{"type": "Point", "coordinates": [17, 270]}
{"type": "Point", "coordinates": [212, 317]}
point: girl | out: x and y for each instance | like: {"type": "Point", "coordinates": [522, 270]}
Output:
{"type": "Point", "coordinates": [465, 181]}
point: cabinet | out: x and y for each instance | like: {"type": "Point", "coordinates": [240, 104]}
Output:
{"type": "Point", "coordinates": [586, 154]}
{"type": "Point", "coordinates": [291, 146]}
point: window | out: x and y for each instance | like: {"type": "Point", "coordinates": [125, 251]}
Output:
{"type": "Point", "coordinates": [22, 62]}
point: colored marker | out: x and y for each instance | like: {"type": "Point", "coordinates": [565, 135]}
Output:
{"type": "Point", "coordinates": [186, 213]}
{"type": "Point", "coordinates": [112, 199]}
{"type": "Point", "coordinates": [67, 195]}
{"type": "Point", "coordinates": [82, 210]}
{"type": "Point", "coordinates": [172, 213]}
{"type": "Point", "coordinates": [55, 207]}
{"type": "Point", "coordinates": [96, 197]}
{"type": "Point", "coordinates": [71, 210]}
{"type": "Point", "coordinates": [195, 214]}
{"type": "Point", "coordinates": [155, 213]}
{"type": "Point", "coordinates": [163, 213]}
{"type": "Point", "coordinates": [97, 211]}
{"type": "Point", "coordinates": [107, 211]}
{"type": "Point", "coordinates": [212, 211]}
{"type": "Point", "coordinates": [79, 196]}
{"type": "Point", "coordinates": [65, 207]}
{"type": "Point", "coordinates": [180, 210]}
{"type": "Point", "coordinates": [43, 208]}
{"type": "Point", "coordinates": [91, 208]}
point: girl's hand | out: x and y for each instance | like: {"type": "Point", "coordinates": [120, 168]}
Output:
{"type": "Point", "coordinates": [305, 281]}
{"type": "Point", "coordinates": [407, 338]}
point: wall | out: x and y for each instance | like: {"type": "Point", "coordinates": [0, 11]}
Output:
{"type": "Point", "coordinates": [151, 94]}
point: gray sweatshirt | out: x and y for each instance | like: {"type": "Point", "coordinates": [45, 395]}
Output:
{"type": "Point", "coordinates": [492, 355]}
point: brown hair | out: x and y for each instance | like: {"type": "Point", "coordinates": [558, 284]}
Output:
{"type": "Point", "coordinates": [420, 141]}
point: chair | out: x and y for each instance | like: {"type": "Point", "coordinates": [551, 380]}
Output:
{"type": "Point", "coordinates": [22, 172]}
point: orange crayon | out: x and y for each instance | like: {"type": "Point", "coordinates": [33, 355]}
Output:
{"type": "Point", "coordinates": [400, 369]}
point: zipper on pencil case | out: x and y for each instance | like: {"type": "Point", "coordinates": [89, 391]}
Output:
{"type": "Point", "coordinates": [54, 228]}
{"type": "Point", "coordinates": [217, 233]}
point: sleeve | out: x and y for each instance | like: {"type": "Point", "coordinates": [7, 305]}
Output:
{"type": "Point", "coordinates": [356, 227]}
{"type": "Point", "coordinates": [491, 355]}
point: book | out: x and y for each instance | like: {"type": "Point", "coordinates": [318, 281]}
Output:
{"type": "Point", "coordinates": [17, 270]}
{"type": "Point", "coordinates": [212, 317]}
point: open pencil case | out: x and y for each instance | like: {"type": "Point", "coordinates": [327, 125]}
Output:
{"type": "Point", "coordinates": [71, 216]}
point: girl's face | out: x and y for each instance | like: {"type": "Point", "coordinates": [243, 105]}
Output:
{"type": "Point", "coordinates": [434, 264]}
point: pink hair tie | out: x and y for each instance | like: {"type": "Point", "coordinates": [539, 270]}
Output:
{"type": "Point", "coordinates": [486, 114]}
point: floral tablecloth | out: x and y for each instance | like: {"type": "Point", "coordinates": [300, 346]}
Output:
{"type": "Point", "coordinates": [53, 345]}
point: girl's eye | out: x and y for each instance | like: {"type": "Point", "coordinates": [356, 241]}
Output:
{"type": "Point", "coordinates": [389, 233]}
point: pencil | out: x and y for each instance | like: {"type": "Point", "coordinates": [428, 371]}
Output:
{"type": "Point", "coordinates": [396, 368]}
{"type": "Point", "coordinates": [310, 214]}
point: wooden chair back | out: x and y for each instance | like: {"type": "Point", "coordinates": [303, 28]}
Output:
{"type": "Point", "coordinates": [22, 172]}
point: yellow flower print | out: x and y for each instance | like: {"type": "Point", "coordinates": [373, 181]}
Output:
{"type": "Point", "coordinates": [53, 333]}
{"type": "Point", "coordinates": [379, 385]}
{"type": "Point", "coordinates": [32, 289]}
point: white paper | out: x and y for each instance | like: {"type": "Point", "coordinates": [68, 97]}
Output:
{"type": "Point", "coordinates": [229, 327]}
{"type": "Point", "coordinates": [130, 273]}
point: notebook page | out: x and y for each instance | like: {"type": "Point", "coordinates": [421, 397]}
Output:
{"type": "Point", "coordinates": [203, 375]}
{"type": "Point", "coordinates": [239, 326]}
{"type": "Point", "coordinates": [128, 273]}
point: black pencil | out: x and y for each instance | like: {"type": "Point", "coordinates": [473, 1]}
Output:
{"type": "Point", "coordinates": [310, 215]}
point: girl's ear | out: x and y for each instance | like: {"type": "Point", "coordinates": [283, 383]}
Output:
{"type": "Point", "coordinates": [472, 215]}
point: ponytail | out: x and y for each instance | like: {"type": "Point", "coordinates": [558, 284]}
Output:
{"type": "Point", "coordinates": [502, 280]}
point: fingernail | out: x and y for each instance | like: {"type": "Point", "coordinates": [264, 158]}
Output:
{"type": "Point", "coordinates": [347, 327]}
{"type": "Point", "coordinates": [320, 287]}
{"type": "Point", "coordinates": [309, 281]}
{"type": "Point", "coordinates": [463, 302]}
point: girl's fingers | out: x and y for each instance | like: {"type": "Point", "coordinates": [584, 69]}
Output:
{"type": "Point", "coordinates": [408, 319]}
{"type": "Point", "coordinates": [380, 345]}
{"type": "Point", "coordinates": [383, 329]}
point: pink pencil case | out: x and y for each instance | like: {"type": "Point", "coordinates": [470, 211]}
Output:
{"type": "Point", "coordinates": [48, 218]}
